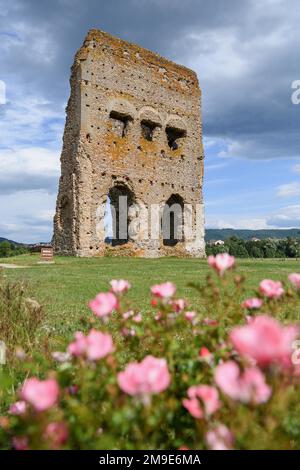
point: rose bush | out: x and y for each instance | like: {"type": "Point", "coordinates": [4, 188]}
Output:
{"type": "Point", "coordinates": [224, 377]}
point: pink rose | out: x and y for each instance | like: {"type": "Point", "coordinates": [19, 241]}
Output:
{"type": "Point", "coordinates": [189, 316]}
{"type": "Point", "coordinates": [20, 443]}
{"type": "Point", "coordinates": [41, 394]}
{"type": "Point", "coordinates": [204, 353]}
{"type": "Point", "coordinates": [103, 304]}
{"type": "Point", "coordinates": [137, 318]}
{"type": "Point", "coordinates": [219, 438]}
{"type": "Point", "coordinates": [252, 303]}
{"type": "Point", "coordinates": [128, 314]}
{"type": "Point", "coordinates": [150, 376]}
{"type": "Point", "coordinates": [78, 347]}
{"type": "Point", "coordinates": [221, 262]}
{"type": "Point", "coordinates": [271, 289]}
{"type": "Point", "coordinates": [56, 433]}
{"type": "Point", "coordinates": [94, 346]}
{"type": "Point", "coordinates": [294, 278]}
{"type": "Point", "coordinates": [165, 290]}
{"type": "Point", "coordinates": [178, 305]}
{"type": "Point", "coordinates": [265, 340]}
{"type": "Point", "coordinates": [249, 386]}
{"type": "Point", "coordinates": [119, 286]}
{"type": "Point", "coordinates": [210, 322]}
{"type": "Point", "coordinates": [18, 408]}
{"type": "Point", "coordinates": [202, 401]}
{"type": "Point", "coordinates": [128, 332]}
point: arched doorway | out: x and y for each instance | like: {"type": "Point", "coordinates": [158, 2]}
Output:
{"type": "Point", "coordinates": [173, 220]}
{"type": "Point", "coordinates": [120, 199]}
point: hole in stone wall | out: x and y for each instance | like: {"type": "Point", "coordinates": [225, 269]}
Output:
{"type": "Point", "coordinates": [120, 199]}
{"type": "Point", "coordinates": [173, 135]}
{"type": "Point", "coordinates": [173, 221]}
{"type": "Point", "coordinates": [148, 128]}
{"type": "Point", "coordinates": [120, 123]}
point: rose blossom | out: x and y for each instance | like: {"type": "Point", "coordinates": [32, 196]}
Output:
{"type": "Point", "coordinates": [189, 316]}
{"type": "Point", "coordinates": [203, 400]}
{"type": "Point", "coordinates": [165, 290]}
{"type": "Point", "coordinates": [219, 438]}
{"type": "Point", "coordinates": [94, 346]}
{"type": "Point", "coordinates": [20, 443]}
{"type": "Point", "coordinates": [128, 332]}
{"type": "Point", "coordinates": [178, 305]}
{"type": "Point", "coordinates": [60, 356]}
{"type": "Point", "coordinates": [221, 262]}
{"type": "Point", "coordinates": [56, 433]}
{"type": "Point", "coordinates": [204, 353]}
{"type": "Point", "coordinates": [249, 386]}
{"type": "Point", "coordinates": [18, 408]}
{"type": "Point", "coordinates": [128, 314]}
{"type": "Point", "coordinates": [294, 278]}
{"type": "Point", "coordinates": [41, 394]}
{"type": "Point", "coordinates": [119, 286]}
{"type": "Point", "coordinates": [271, 289]}
{"type": "Point", "coordinates": [103, 304]}
{"type": "Point", "coordinates": [252, 303]}
{"type": "Point", "coordinates": [150, 376]}
{"type": "Point", "coordinates": [265, 340]}
{"type": "Point", "coordinates": [137, 318]}
{"type": "Point", "coordinates": [210, 322]}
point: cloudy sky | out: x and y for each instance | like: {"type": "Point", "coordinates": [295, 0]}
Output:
{"type": "Point", "coordinates": [246, 55]}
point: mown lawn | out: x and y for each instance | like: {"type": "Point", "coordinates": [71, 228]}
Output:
{"type": "Point", "coordinates": [64, 288]}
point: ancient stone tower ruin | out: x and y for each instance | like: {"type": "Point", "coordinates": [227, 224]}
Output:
{"type": "Point", "coordinates": [133, 129]}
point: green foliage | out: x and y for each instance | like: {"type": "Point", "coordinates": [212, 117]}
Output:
{"type": "Point", "coordinates": [99, 415]}
{"type": "Point", "coordinates": [8, 249]}
{"type": "Point", "coordinates": [265, 248]}
{"type": "Point", "coordinates": [224, 233]}
{"type": "Point", "coordinates": [20, 317]}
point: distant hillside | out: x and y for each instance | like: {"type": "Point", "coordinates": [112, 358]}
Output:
{"type": "Point", "coordinates": [10, 241]}
{"type": "Point", "coordinates": [224, 233]}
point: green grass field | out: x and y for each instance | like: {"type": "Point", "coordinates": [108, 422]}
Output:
{"type": "Point", "coordinates": [64, 288]}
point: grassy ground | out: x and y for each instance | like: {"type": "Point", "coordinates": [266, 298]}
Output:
{"type": "Point", "coordinates": [64, 288]}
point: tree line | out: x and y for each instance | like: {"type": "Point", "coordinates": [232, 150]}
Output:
{"type": "Point", "coordinates": [8, 249]}
{"type": "Point", "coordinates": [265, 248]}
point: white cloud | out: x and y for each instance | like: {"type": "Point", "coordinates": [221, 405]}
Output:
{"type": "Point", "coordinates": [28, 168]}
{"type": "Point", "coordinates": [215, 50]}
{"type": "Point", "coordinates": [27, 119]}
{"type": "Point", "coordinates": [29, 162]}
{"type": "Point", "coordinates": [296, 168]}
{"type": "Point", "coordinates": [286, 217]}
{"type": "Point", "coordinates": [27, 216]}
{"type": "Point", "coordinates": [238, 223]}
{"type": "Point", "coordinates": [289, 190]}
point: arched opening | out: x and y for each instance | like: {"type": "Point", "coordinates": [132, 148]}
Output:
{"type": "Point", "coordinates": [120, 199]}
{"type": "Point", "coordinates": [173, 220]}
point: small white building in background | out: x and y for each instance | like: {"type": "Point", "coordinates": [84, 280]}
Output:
{"type": "Point", "coordinates": [219, 242]}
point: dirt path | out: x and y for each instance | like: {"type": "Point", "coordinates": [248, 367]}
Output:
{"type": "Point", "coordinates": [11, 266]}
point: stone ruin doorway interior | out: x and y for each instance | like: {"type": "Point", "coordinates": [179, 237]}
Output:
{"type": "Point", "coordinates": [120, 199]}
{"type": "Point", "coordinates": [173, 221]}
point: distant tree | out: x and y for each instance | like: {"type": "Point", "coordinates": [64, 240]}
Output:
{"type": "Point", "coordinates": [254, 249]}
{"type": "Point", "coordinates": [292, 248]}
{"type": "Point", "coordinates": [236, 247]}
{"type": "Point", "coordinates": [5, 249]}
{"type": "Point", "coordinates": [8, 249]}
{"type": "Point", "coordinates": [265, 248]}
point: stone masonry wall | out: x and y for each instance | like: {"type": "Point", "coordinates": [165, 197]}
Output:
{"type": "Point", "coordinates": [134, 122]}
